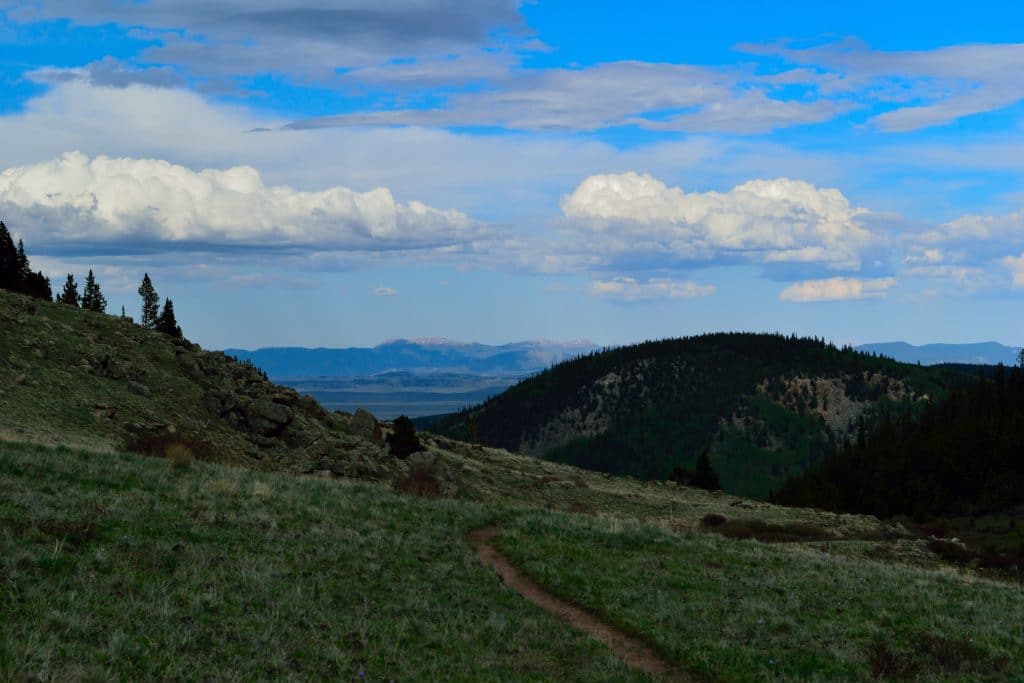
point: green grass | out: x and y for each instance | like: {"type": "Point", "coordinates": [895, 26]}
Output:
{"type": "Point", "coordinates": [745, 611]}
{"type": "Point", "coordinates": [120, 567]}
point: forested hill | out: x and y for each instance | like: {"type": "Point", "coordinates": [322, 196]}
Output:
{"type": "Point", "coordinates": [764, 406]}
{"type": "Point", "coordinates": [963, 455]}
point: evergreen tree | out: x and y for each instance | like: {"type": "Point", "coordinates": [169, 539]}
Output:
{"type": "Point", "coordinates": [705, 477]}
{"type": "Point", "coordinates": [150, 303]}
{"type": "Point", "coordinates": [37, 285]}
{"type": "Point", "coordinates": [92, 297]}
{"type": "Point", "coordinates": [403, 440]}
{"type": "Point", "coordinates": [22, 260]}
{"type": "Point", "coordinates": [166, 323]}
{"type": "Point", "coordinates": [10, 270]}
{"type": "Point", "coordinates": [70, 294]}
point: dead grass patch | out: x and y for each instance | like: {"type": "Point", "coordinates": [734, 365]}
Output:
{"type": "Point", "coordinates": [421, 480]}
{"type": "Point", "coordinates": [930, 654]}
{"type": "Point", "coordinates": [766, 532]}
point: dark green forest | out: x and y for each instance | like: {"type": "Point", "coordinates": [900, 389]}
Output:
{"type": "Point", "coordinates": [963, 455]}
{"type": "Point", "coordinates": [672, 399]}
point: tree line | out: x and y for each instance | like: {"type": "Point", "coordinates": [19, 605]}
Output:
{"type": "Point", "coordinates": [960, 455]}
{"type": "Point", "coordinates": [16, 275]}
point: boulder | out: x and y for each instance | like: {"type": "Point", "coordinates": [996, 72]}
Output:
{"type": "Point", "coordinates": [267, 418]}
{"type": "Point", "coordinates": [219, 402]}
{"type": "Point", "coordinates": [285, 396]}
{"type": "Point", "coordinates": [188, 361]}
{"type": "Point", "coordinates": [364, 425]}
{"type": "Point", "coordinates": [312, 408]}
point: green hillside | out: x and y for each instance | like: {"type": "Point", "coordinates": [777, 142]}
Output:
{"type": "Point", "coordinates": [765, 406]}
{"type": "Point", "coordinates": [122, 567]}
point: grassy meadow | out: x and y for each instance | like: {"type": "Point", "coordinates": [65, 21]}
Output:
{"type": "Point", "coordinates": [740, 610]}
{"type": "Point", "coordinates": [119, 567]}
{"type": "Point", "coordinates": [123, 567]}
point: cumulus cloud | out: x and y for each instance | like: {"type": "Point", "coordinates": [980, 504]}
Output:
{"type": "Point", "coordinates": [767, 221]}
{"type": "Point", "coordinates": [115, 202]}
{"type": "Point", "coordinates": [629, 289]}
{"type": "Point", "coordinates": [837, 289]}
{"type": "Point", "coordinates": [385, 291]}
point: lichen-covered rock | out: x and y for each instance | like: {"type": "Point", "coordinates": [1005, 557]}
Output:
{"type": "Point", "coordinates": [309, 405]}
{"type": "Point", "coordinates": [364, 425]}
{"type": "Point", "coordinates": [285, 396]}
{"type": "Point", "coordinates": [219, 402]}
{"type": "Point", "coordinates": [267, 418]}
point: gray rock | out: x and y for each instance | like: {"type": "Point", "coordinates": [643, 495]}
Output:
{"type": "Point", "coordinates": [285, 396]}
{"type": "Point", "coordinates": [138, 389]}
{"type": "Point", "coordinates": [267, 418]}
{"type": "Point", "coordinates": [364, 425]}
{"type": "Point", "coordinates": [219, 402]}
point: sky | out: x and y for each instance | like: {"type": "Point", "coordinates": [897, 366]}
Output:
{"type": "Point", "coordinates": [341, 173]}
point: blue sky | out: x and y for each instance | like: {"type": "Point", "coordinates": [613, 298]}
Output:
{"type": "Point", "coordinates": [337, 174]}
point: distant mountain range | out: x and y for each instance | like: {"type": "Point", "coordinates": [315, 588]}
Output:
{"type": "Point", "coordinates": [984, 353]}
{"type": "Point", "coordinates": [415, 355]}
{"type": "Point", "coordinates": [516, 359]}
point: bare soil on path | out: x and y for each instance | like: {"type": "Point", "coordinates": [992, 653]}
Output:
{"type": "Point", "coordinates": [629, 649]}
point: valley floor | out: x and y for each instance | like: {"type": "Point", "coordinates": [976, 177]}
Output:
{"type": "Point", "coordinates": [122, 567]}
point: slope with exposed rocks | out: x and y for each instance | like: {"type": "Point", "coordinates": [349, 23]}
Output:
{"type": "Point", "coordinates": [84, 379]}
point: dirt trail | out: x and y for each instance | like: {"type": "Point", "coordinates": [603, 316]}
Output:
{"type": "Point", "coordinates": [627, 648]}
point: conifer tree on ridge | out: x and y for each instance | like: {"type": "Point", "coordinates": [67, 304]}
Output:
{"type": "Point", "coordinates": [150, 303]}
{"type": "Point", "coordinates": [70, 294]}
{"type": "Point", "coordinates": [92, 297]}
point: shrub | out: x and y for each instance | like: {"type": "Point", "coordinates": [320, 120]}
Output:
{"type": "Point", "coordinates": [163, 443]}
{"type": "Point", "coordinates": [421, 480]}
{"type": "Point", "coordinates": [403, 441]}
{"type": "Point", "coordinates": [179, 455]}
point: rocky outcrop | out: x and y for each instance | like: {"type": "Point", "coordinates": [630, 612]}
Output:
{"type": "Point", "coordinates": [365, 426]}
{"type": "Point", "coordinates": [267, 418]}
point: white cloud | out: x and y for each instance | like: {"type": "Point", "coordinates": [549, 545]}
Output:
{"type": "Point", "coordinates": [941, 85]}
{"type": "Point", "coordinates": [605, 95]}
{"type": "Point", "coordinates": [385, 291]}
{"type": "Point", "coordinates": [102, 199]}
{"type": "Point", "coordinates": [837, 289]}
{"type": "Point", "coordinates": [629, 289]}
{"type": "Point", "coordinates": [1016, 266]}
{"type": "Point", "coordinates": [777, 220]}
{"type": "Point", "coordinates": [976, 227]}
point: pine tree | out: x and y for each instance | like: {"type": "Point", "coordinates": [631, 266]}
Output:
{"type": "Point", "coordinates": [150, 303]}
{"type": "Point", "coordinates": [92, 297]}
{"type": "Point", "coordinates": [22, 261]}
{"type": "Point", "coordinates": [403, 442]}
{"type": "Point", "coordinates": [705, 477]}
{"type": "Point", "coordinates": [70, 294]}
{"type": "Point", "coordinates": [9, 267]}
{"type": "Point", "coordinates": [166, 322]}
